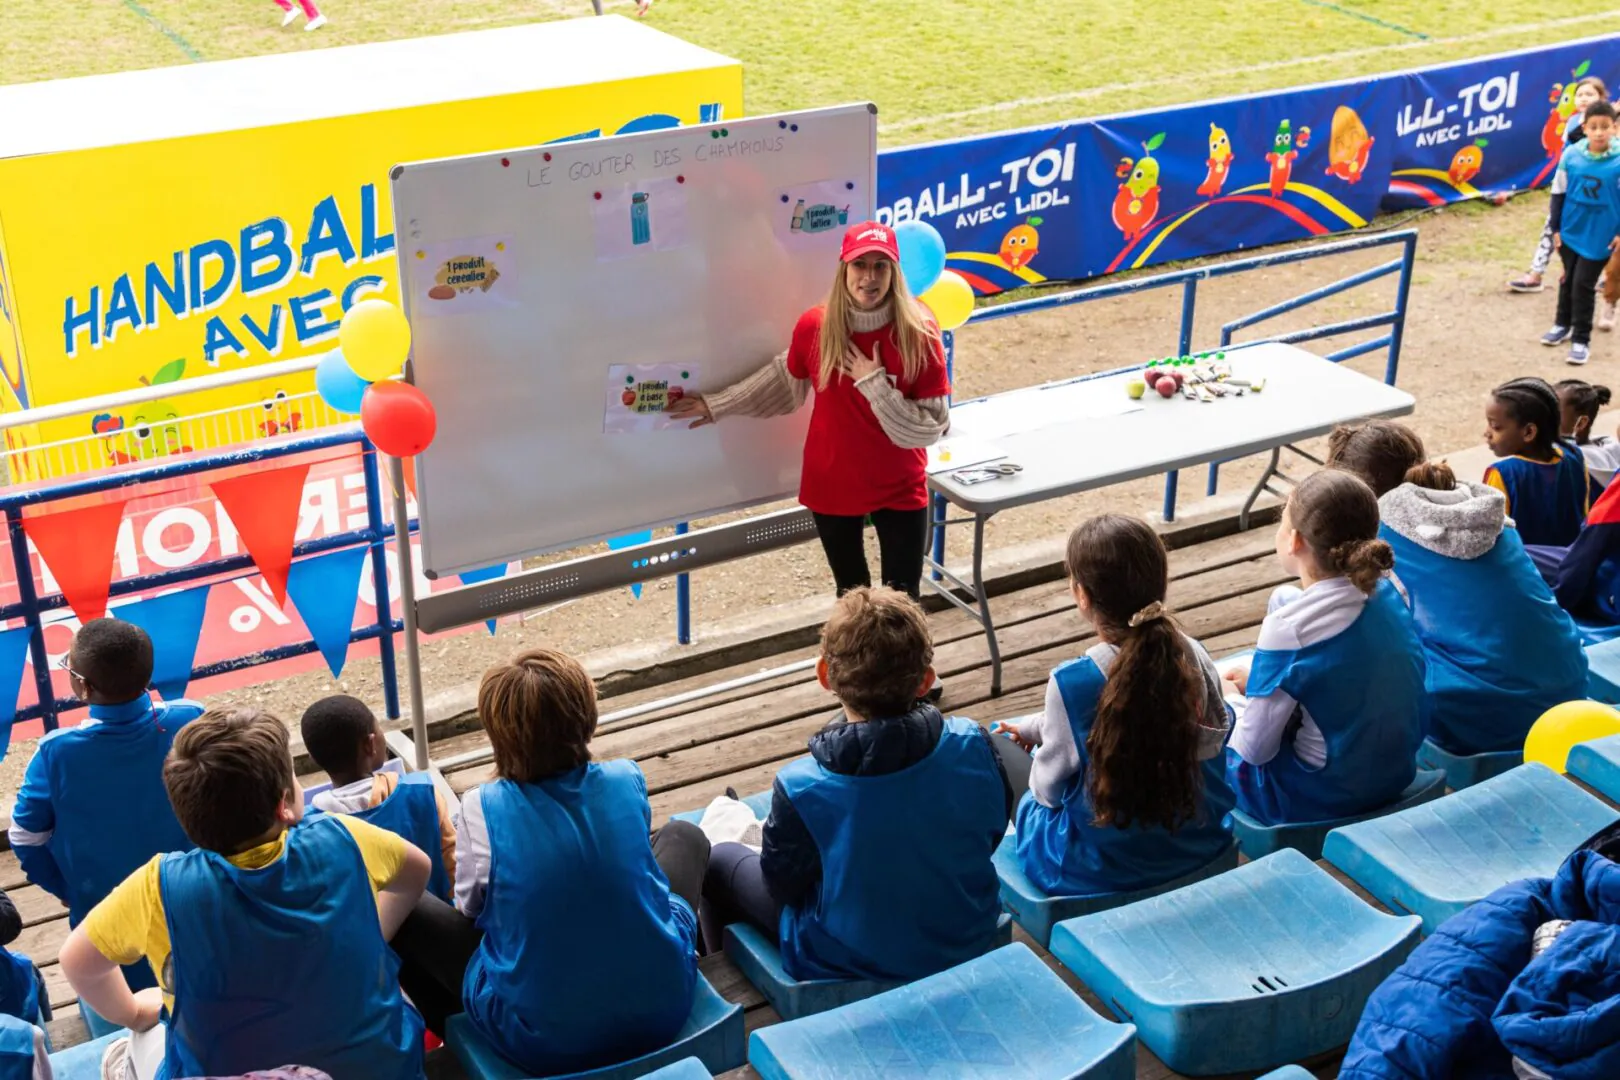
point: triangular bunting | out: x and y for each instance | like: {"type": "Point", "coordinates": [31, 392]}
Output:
{"type": "Point", "coordinates": [488, 573]}
{"type": "Point", "coordinates": [407, 466]}
{"type": "Point", "coordinates": [324, 590]}
{"type": "Point", "coordinates": [631, 540]}
{"type": "Point", "coordinates": [174, 623]}
{"type": "Point", "coordinates": [264, 508]}
{"type": "Point", "coordinates": [78, 547]}
{"type": "Point", "coordinates": [13, 653]}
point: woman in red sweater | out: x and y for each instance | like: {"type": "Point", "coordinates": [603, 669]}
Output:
{"type": "Point", "coordinates": [876, 362]}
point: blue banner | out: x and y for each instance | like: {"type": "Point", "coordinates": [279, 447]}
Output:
{"type": "Point", "coordinates": [1094, 197]}
{"type": "Point", "coordinates": [174, 622]}
{"type": "Point", "coordinates": [324, 589]}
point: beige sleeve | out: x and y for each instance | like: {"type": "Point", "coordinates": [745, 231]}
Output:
{"type": "Point", "coordinates": [909, 424]}
{"type": "Point", "coordinates": [770, 391]}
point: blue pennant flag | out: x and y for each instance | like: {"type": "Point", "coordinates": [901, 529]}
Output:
{"type": "Point", "coordinates": [631, 540]}
{"type": "Point", "coordinates": [488, 573]}
{"type": "Point", "coordinates": [13, 652]}
{"type": "Point", "coordinates": [174, 623]}
{"type": "Point", "coordinates": [324, 590]}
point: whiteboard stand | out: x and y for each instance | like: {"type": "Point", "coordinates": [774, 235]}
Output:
{"type": "Point", "coordinates": [407, 603]}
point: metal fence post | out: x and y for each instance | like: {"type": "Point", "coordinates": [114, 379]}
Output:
{"type": "Point", "coordinates": [36, 633]}
{"type": "Point", "coordinates": [1398, 330]}
{"type": "Point", "coordinates": [683, 598]}
{"type": "Point", "coordinates": [379, 578]}
{"type": "Point", "coordinates": [940, 508]}
{"type": "Point", "coordinates": [1189, 306]}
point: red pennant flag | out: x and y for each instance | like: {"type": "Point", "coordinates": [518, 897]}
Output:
{"type": "Point", "coordinates": [78, 547]}
{"type": "Point", "coordinates": [264, 508]}
{"type": "Point", "coordinates": [408, 467]}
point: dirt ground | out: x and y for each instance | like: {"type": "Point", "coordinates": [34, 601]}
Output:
{"type": "Point", "coordinates": [1464, 334]}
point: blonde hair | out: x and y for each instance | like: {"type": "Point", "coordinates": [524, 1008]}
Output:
{"type": "Point", "coordinates": [914, 335]}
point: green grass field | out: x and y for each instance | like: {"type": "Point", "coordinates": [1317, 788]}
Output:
{"type": "Point", "coordinates": [936, 68]}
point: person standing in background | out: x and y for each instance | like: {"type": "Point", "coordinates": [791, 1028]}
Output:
{"type": "Point", "coordinates": [310, 12]}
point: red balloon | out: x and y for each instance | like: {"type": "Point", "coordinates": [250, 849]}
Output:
{"type": "Point", "coordinates": [398, 418]}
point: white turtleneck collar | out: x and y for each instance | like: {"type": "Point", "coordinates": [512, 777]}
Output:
{"type": "Point", "coordinates": [864, 322]}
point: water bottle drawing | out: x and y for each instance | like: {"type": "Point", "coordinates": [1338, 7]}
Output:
{"type": "Point", "coordinates": [640, 222]}
{"type": "Point", "coordinates": [798, 216]}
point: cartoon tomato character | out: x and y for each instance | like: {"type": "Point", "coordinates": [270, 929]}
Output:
{"type": "Point", "coordinates": [1136, 203]}
{"type": "Point", "coordinates": [1466, 163]}
{"type": "Point", "coordinates": [1021, 244]}
{"type": "Point", "coordinates": [1219, 162]}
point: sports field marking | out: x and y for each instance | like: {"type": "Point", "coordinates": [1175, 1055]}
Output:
{"type": "Point", "coordinates": [181, 43]}
{"type": "Point", "coordinates": [1180, 79]}
{"type": "Point", "coordinates": [1364, 17]}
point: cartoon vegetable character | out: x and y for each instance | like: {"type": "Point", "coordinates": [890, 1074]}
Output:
{"type": "Point", "coordinates": [151, 432]}
{"type": "Point", "coordinates": [1020, 244]}
{"type": "Point", "coordinates": [283, 424]}
{"type": "Point", "coordinates": [1219, 162]}
{"type": "Point", "coordinates": [1465, 163]}
{"type": "Point", "coordinates": [1563, 107]}
{"type": "Point", "coordinates": [1348, 145]}
{"type": "Point", "coordinates": [1281, 158]}
{"type": "Point", "coordinates": [1136, 203]}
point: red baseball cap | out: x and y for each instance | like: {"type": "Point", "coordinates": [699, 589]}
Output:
{"type": "Point", "coordinates": [868, 237]}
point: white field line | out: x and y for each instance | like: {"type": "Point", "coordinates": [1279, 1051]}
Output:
{"type": "Point", "coordinates": [1597, 19]}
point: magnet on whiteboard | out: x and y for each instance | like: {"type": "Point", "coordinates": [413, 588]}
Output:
{"type": "Point", "coordinates": [680, 179]}
{"type": "Point", "coordinates": [506, 163]}
{"type": "Point", "coordinates": [421, 254]}
{"type": "Point", "coordinates": [597, 196]}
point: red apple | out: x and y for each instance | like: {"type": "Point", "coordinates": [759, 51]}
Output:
{"type": "Point", "coordinates": [675, 394]}
{"type": "Point", "coordinates": [1166, 387]}
{"type": "Point", "coordinates": [629, 399]}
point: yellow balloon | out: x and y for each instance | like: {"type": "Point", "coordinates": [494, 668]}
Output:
{"type": "Point", "coordinates": [375, 338]}
{"type": "Point", "coordinates": [950, 299]}
{"type": "Point", "coordinates": [1562, 726]}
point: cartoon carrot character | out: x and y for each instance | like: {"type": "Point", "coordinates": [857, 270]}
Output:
{"type": "Point", "coordinates": [1136, 203]}
{"type": "Point", "coordinates": [1466, 163]}
{"type": "Point", "coordinates": [1020, 244]}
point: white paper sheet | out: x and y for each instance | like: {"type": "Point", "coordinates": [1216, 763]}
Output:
{"type": "Point", "coordinates": [813, 209]}
{"type": "Point", "coordinates": [960, 453]}
{"type": "Point", "coordinates": [464, 276]}
{"type": "Point", "coordinates": [638, 395]}
{"type": "Point", "coordinates": [649, 215]}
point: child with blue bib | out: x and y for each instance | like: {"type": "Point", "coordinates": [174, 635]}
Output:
{"type": "Point", "coordinates": [1499, 649]}
{"type": "Point", "coordinates": [1542, 476]}
{"type": "Point", "coordinates": [270, 939]}
{"type": "Point", "coordinates": [1585, 219]}
{"type": "Point", "coordinates": [573, 942]}
{"type": "Point", "coordinates": [876, 859]}
{"type": "Point", "coordinates": [1331, 706]}
{"type": "Point", "coordinates": [1128, 787]}
{"type": "Point", "coordinates": [92, 807]}
{"type": "Point", "coordinates": [341, 734]}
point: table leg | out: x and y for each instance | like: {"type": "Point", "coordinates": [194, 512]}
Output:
{"type": "Point", "coordinates": [1261, 485]}
{"type": "Point", "coordinates": [984, 605]}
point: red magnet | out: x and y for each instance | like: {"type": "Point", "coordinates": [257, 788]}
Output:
{"type": "Point", "coordinates": [546, 155]}
{"type": "Point", "coordinates": [598, 195]}
{"type": "Point", "coordinates": [505, 163]}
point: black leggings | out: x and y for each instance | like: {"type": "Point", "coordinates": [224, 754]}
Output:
{"type": "Point", "coordinates": [902, 540]}
{"type": "Point", "coordinates": [436, 942]}
{"type": "Point", "coordinates": [1577, 295]}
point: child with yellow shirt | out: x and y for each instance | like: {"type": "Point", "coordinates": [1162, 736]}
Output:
{"type": "Point", "coordinates": [269, 940]}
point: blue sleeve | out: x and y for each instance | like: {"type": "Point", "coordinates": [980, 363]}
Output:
{"type": "Point", "coordinates": [34, 813]}
{"type": "Point", "coordinates": [789, 860]}
{"type": "Point", "coordinates": [1593, 546]}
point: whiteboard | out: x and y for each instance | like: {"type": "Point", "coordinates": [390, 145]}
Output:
{"type": "Point", "coordinates": [694, 248]}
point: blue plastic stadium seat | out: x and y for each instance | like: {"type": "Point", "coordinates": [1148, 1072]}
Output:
{"type": "Point", "coordinates": [97, 1024]}
{"type": "Point", "coordinates": [1466, 770]}
{"type": "Point", "coordinates": [1593, 633]}
{"type": "Point", "coordinates": [1265, 964]}
{"type": "Point", "coordinates": [1436, 859]}
{"type": "Point", "coordinates": [1289, 1072]}
{"type": "Point", "coordinates": [760, 961]}
{"type": "Point", "coordinates": [1603, 672]}
{"type": "Point", "coordinates": [713, 1034]}
{"type": "Point", "coordinates": [1597, 764]}
{"type": "Point", "coordinates": [83, 1062]}
{"type": "Point", "coordinates": [1002, 1015]}
{"type": "Point", "coordinates": [759, 803]}
{"type": "Point", "coordinates": [1037, 912]}
{"type": "Point", "coordinates": [1306, 837]}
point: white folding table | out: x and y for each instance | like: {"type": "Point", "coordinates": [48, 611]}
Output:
{"type": "Point", "coordinates": [1080, 434]}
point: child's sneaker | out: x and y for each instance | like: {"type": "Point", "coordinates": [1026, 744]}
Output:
{"type": "Point", "coordinates": [1578, 353]}
{"type": "Point", "coordinates": [287, 19]}
{"type": "Point", "coordinates": [1556, 336]}
{"type": "Point", "coordinates": [1527, 284]}
{"type": "Point", "coordinates": [1605, 319]}
{"type": "Point", "coordinates": [115, 1061]}
{"type": "Point", "coordinates": [316, 23]}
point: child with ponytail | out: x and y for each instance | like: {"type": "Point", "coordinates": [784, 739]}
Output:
{"type": "Point", "coordinates": [1332, 708]}
{"type": "Point", "coordinates": [1580, 402]}
{"type": "Point", "coordinates": [1128, 789]}
{"type": "Point", "coordinates": [1499, 649]}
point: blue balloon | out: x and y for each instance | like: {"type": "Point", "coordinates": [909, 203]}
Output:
{"type": "Point", "coordinates": [922, 255]}
{"type": "Point", "coordinates": [337, 383]}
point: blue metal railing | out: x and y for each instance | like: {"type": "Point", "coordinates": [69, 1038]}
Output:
{"type": "Point", "coordinates": [1189, 278]}
{"type": "Point", "coordinates": [30, 605]}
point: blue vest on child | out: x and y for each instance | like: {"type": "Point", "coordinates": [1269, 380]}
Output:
{"type": "Point", "coordinates": [284, 964]}
{"type": "Point", "coordinates": [19, 987]}
{"type": "Point", "coordinates": [1500, 651]}
{"type": "Point", "coordinates": [412, 811]}
{"type": "Point", "coordinates": [1364, 688]}
{"type": "Point", "coordinates": [907, 886]}
{"type": "Point", "coordinates": [1591, 217]}
{"type": "Point", "coordinates": [16, 1049]}
{"type": "Point", "coordinates": [587, 957]}
{"type": "Point", "coordinates": [1547, 500]}
{"type": "Point", "coordinates": [1065, 853]}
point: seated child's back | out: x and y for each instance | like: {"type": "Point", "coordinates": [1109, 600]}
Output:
{"type": "Point", "coordinates": [341, 734]}
{"type": "Point", "coordinates": [1128, 788]}
{"type": "Point", "coordinates": [1335, 707]}
{"type": "Point", "coordinates": [1543, 476]}
{"type": "Point", "coordinates": [92, 806]}
{"type": "Point", "coordinates": [271, 938]}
